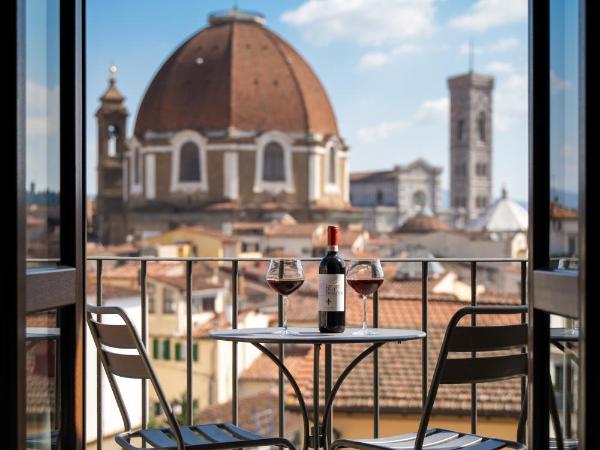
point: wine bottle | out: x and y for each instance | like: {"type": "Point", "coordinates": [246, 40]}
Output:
{"type": "Point", "coordinates": [332, 284]}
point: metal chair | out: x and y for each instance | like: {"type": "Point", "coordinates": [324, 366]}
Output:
{"type": "Point", "coordinates": [477, 369]}
{"type": "Point", "coordinates": [135, 364]}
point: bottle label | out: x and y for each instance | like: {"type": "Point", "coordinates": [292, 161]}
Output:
{"type": "Point", "coordinates": [331, 292]}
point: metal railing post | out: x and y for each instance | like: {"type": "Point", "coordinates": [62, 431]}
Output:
{"type": "Point", "coordinates": [280, 378]}
{"type": "Point", "coordinates": [425, 329]}
{"type": "Point", "coordinates": [234, 349]}
{"type": "Point", "coordinates": [376, 369]}
{"type": "Point", "coordinates": [99, 432]}
{"type": "Point", "coordinates": [523, 320]}
{"type": "Point", "coordinates": [473, 354]}
{"type": "Point", "coordinates": [188, 343]}
{"type": "Point", "coordinates": [144, 318]}
{"type": "Point", "coordinates": [328, 386]}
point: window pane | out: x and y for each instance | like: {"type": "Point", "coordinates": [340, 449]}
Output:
{"type": "Point", "coordinates": [189, 162]}
{"type": "Point", "coordinates": [41, 373]}
{"type": "Point", "coordinates": [564, 374]}
{"type": "Point", "coordinates": [564, 128]}
{"type": "Point", "coordinates": [42, 131]}
{"type": "Point", "coordinates": [273, 163]}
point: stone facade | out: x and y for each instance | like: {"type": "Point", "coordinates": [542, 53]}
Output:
{"type": "Point", "coordinates": [395, 195]}
{"type": "Point", "coordinates": [470, 144]}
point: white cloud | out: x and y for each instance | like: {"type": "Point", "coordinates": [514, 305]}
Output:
{"type": "Point", "coordinates": [557, 84]}
{"type": "Point", "coordinates": [42, 109]}
{"type": "Point", "coordinates": [376, 59]}
{"type": "Point", "coordinates": [381, 131]}
{"type": "Point", "coordinates": [429, 112]}
{"type": "Point", "coordinates": [511, 101]}
{"type": "Point", "coordinates": [365, 22]}
{"type": "Point", "coordinates": [487, 14]}
{"type": "Point", "coordinates": [504, 44]}
{"type": "Point", "coordinates": [432, 111]}
{"type": "Point", "coordinates": [372, 60]}
{"type": "Point", "coordinates": [501, 45]}
{"type": "Point", "coordinates": [499, 67]}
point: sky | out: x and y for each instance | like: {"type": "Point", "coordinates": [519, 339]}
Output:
{"type": "Point", "coordinates": [383, 63]}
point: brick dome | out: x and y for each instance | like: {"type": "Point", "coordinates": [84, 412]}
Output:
{"type": "Point", "coordinates": [423, 223]}
{"type": "Point", "coordinates": [235, 74]}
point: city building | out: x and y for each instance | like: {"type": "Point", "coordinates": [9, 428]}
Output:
{"type": "Point", "coordinates": [389, 197]}
{"type": "Point", "coordinates": [234, 126]}
{"type": "Point", "coordinates": [470, 144]}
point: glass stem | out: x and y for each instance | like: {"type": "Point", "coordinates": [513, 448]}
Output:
{"type": "Point", "coordinates": [364, 302]}
{"type": "Point", "coordinates": [284, 312]}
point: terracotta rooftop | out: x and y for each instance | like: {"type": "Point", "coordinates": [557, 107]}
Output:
{"type": "Point", "coordinates": [423, 223]}
{"type": "Point", "coordinates": [400, 365]}
{"type": "Point", "coordinates": [257, 413]}
{"type": "Point", "coordinates": [235, 74]}
{"type": "Point", "coordinates": [558, 211]}
{"type": "Point", "coordinates": [400, 383]}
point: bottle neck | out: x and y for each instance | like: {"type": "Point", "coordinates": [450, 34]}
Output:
{"type": "Point", "coordinates": [332, 248]}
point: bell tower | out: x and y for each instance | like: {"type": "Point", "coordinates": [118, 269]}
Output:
{"type": "Point", "coordinates": [470, 144]}
{"type": "Point", "coordinates": [111, 118]}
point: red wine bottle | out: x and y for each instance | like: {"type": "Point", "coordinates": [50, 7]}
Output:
{"type": "Point", "coordinates": [332, 284]}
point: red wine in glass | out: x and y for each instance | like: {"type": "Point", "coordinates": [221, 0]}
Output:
{"type": "Point", "coordinates": [365, 276]}
{"type": "Point", "coordinates": [365, 286]}
{"type": "Point", "coordinates": [285, 276]}
{"type": "Point", "coordinates": [285, 286]}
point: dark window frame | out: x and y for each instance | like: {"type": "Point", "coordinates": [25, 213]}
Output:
{"type": "Point", "coordinates": [190, 163]}
{"type": "Point", "coordinates": [273, 169]}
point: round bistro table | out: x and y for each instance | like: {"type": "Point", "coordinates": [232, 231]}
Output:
{"type": "Point", "coordinates": [261, 336]}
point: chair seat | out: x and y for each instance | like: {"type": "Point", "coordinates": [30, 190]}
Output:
{"type": "Point", "coordinates": [568, 444]}
{"type": "Point", "coordinates": [214, 436]}
{"type": "Point", "coordinates": [435, 438]}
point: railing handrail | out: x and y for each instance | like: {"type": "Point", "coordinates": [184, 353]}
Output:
{"type": "Point", "coordinates": [307, 258]}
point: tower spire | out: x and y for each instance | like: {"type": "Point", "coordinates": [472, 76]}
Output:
{"type": "Point", "coordinates": [471, 56]}
{"type": "Point", "coordinates": [112, 72]}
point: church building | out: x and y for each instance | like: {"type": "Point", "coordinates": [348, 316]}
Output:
{"type": "Point", "coordinates": [234, 126]}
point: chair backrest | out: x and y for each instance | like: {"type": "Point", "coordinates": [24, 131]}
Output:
{"type": "Point", "coordinates": [477, 368]}
{"type": "Point", "coordinates": [123, 354]}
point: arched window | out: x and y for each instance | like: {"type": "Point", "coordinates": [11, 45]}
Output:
{"type": "Point", "coordinates": [419, 199]}
{"type": "Point", "coordinates": [481, 126]}
{"type": "Point", "coordinates": [332, 164]}
{"type": "Point", "coordinates": [273, 169]}
{"type": "Point", "coordinates": [136, 165]}
{"type": "Point", "coordinates": [189, 163]}
{"type": "Point", "coordinates": [113, 134]}
{"type": "Point", "coordinates": [460, 130]}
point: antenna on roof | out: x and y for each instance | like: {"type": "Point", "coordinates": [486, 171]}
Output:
{"type": "Point", "coordinates": [471, 56]}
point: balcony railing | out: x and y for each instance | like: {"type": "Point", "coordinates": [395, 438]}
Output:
{"type": "Point", "coordinates": [235, 267]}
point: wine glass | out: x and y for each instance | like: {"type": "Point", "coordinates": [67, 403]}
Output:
{"type": "Point", "coordinates": [364, 276]}
{"type": "Point", "coordinates": [285, 276]}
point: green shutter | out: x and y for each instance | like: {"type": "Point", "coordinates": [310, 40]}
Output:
{"type": "Point", "coordinates": [195, 352]}
{"type": "Point", "coordinates": [167, 349]}
{"type": "Point", "coordinates": [155, 349]}
{"type": "Point", "coordinates": [177, 351]}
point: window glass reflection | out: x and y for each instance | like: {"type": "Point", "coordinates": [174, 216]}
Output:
{"type": "Point", "coordinates": [564, 373]}
{"type": "Point", "coordinates": [42, 131]}
{"type": "Point", "coordinates": [564, 123]}
{"type": "Point", "coordinates": [41, 363]}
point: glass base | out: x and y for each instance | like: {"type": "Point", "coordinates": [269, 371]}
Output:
{"type": "Point", "coordinates": [285, 332]}
{"type": "Point", "coordinates": [364, 332]}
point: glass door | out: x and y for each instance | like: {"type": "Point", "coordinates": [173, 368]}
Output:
{"type": "Point", "coordinates": [48, 224]}
{"type": "Point", "coordinates": [557, 218]}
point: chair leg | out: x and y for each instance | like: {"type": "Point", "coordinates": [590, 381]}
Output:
{"type": "Point", "coordinates": [555, 418]}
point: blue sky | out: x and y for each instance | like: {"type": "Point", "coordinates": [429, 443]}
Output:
{"type": "Point", "coordinates": [384, 64]}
